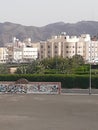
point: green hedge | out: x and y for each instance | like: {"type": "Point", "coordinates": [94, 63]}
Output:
{"type": "Point", "coordinates": [67, 81]}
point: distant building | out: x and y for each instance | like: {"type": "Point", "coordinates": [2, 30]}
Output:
{"type": "Point", "coordinates": [64, 46]}
{"type": "Point", "coordinates": [25, 54]}
{"type": "Point", "coordinates": [61, 45]}
{"type": "Point", "coordinates": [3, 54]}
{"type": "Point", "coordinates": [29, 53]}
{"type": "Point", "coordinates": [92, 51]}
{"type": "Point", "coordinates": [21, 51]}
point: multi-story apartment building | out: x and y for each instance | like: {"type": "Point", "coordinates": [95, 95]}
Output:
{"type": "Point", "coordinates": [61, 45]}
{"type": "Point", "coordinates": [29, 53]}
{"type": "Point", "coordinates": [92, 50]}
{"type": "Point", "coordinates": [64, 46]}
{"type": "Point", "coordinates": [25, 54]}
{"type": "Point", "coordinates": [21, 52]}
{"type": "Point", "coordinates": [3, 54]}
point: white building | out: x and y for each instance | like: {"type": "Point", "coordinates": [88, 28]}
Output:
{"type": "Point", "coordinates": [25, 54]}
{"type": "Point", "coordinates": [92, 51]}
{"type": "Point", "coordinates": [65, 46]}
{"type": "Point", "coordinates": [61, 45]}
{"type": "Point", "coordinates": [17, 55]}
{"type": "Point", "coordinates": [3, 54]}
{"type": "Point", "coordinates": [29, 53]}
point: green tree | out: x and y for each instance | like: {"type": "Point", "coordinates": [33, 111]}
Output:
{"type": "Point", "coordinates": [77, 60]}
{"type": "Point", "coordinates": [31, 68]}
{"type": "Point", "coordinates": [59, 64]}
{"type": "Point", "coordinates": [4, 69]}
{"type": "Point", "coordinates": [53, 65]}
{"type": "Point", "coordinates": [22, 69]}
{"type": "Point", "coordinates": [35, 67]}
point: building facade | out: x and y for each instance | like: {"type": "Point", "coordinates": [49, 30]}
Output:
{"type": "Point", "coordinates": [61, 46]}
{"type": "Point", "coordinates": [92, 50]}
{"type": "Point", "coordinates": [3, 54]}
{"type": "Point", "coordinates": [19, 52]}
{"type": "Point", "coordinates": [64, 46]}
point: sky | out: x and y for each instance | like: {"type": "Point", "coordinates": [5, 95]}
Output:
{"type": "Point", "coordinates": [42, 12]}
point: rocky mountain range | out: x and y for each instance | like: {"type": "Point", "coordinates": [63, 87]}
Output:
{"type": "Point", "coordinates": [9, 30]}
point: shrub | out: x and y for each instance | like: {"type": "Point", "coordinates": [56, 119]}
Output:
{"type": "Point", "coordinates": [67, 81]}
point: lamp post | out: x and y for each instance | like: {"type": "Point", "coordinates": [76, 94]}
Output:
{"type": "Point", "coordinates": [90, 82]}
{"type": "Point", "coordinates": [90, 73]}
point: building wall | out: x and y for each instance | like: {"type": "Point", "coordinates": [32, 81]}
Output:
{"type": "Point", "coordinates": [25, 53]}
{"type": "Point", "coordinates": [30, 53]}
{"type": "Point", "coordinates": [3, 54]}
{"type": "Point", "coordinates": [17, 55]}
{"type": "Point", "coordinates": [64, 46]}
{"type": "Point", "coordinates": [92, 50]}
{"type": "Point", "coordinates": [61, 45]}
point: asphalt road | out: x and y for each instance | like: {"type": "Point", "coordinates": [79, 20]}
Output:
{"type": "Point", "coordinates": [48, 112]}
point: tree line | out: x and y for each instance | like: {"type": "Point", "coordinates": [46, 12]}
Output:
{"type": "Point", "coordinates": [56, 65]}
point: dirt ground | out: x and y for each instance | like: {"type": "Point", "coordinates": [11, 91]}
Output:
{"type": "Point", "coordinates": [48, 112]}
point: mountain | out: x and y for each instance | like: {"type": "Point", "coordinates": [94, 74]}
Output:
{"type": "Point", "coordinates": [9, 30]}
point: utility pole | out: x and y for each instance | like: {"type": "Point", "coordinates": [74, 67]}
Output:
{"type": "Point", "coordinates": [90, 76]}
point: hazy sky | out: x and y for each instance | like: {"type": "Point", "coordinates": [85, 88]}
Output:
{"type": "Point", "coordinates": [43, 12]}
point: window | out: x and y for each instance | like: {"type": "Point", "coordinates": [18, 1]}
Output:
{"type": "Point", "coordinates": [41, 57]}
{"type": "Point", "coordinates": [48, 46]}
{"type": "Point", "coordinates": [48, 56]}
{"type": "Point", "coordinates": [56, 47]}
{"type": "Point", "coordinates": [55, 51]}
{"type": "Point", "coordinates": [41, 46]}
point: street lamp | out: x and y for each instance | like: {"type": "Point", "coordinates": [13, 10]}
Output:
{"type": "Point", "coordinates": [90, 82]}
{"type": "Point", "coordinates": [90, 76]}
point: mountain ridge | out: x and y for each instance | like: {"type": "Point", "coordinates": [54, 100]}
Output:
{"type": "Point", "coordinates": [9, 30]}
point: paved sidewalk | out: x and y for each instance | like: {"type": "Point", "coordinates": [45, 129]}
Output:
{"type": "Point", "coordinates": [79, 91]}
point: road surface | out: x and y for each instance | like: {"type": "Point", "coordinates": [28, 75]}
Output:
{"type": "Point", "coordinates": [48, 112]}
